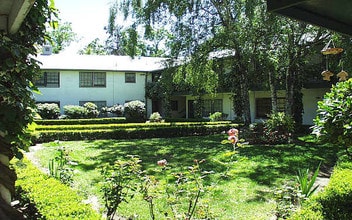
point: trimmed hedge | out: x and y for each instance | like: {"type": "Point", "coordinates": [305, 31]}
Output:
{"type": "Point", "coordinates": [81, 121]}
{"type": "Point", "coordinates": [334, 202]}
{"type": "Point", "coordinates": [137, 132]}
{"type": "Point", "coordinates": [53, 199]}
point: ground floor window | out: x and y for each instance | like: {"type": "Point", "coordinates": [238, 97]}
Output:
{"type": "Point", "coordinates": [263, 106]}
{"type": "Point", "coordinates": [211, 105]}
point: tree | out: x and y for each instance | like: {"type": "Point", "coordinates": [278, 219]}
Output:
{"type": "Point", "coordinates": [61, 36]}
{"type": "Point", "coordinates": [94, 47]}
{"type": "Point", "coordinates": [18, 67]}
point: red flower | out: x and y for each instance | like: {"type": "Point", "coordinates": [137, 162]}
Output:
{"type": "Point", "coordinates": [162, 163]}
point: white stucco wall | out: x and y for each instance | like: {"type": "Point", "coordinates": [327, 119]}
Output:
{"type": "Point", "coordinates": [116, 90]}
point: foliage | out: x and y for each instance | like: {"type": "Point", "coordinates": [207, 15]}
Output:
{"type": "Point", "coordinates": [61, 36]}
{"type": "Point", "coordinates": [333, 123]}
{"type": "Point", "coordinates": [53, 199]}
{"type": "Point", "coordinates": [75, 111]}
{"type": "Point", "coordinates": [135, 111]}
{"type": "Point", "coordinates": [48, 110]}
{"type": "Point", "coordinates": [82, 121]}
{"type": "Point", "coordinates": [155, 117]}
{"type": "Point", "coordinates": [306, 181]}
{"type": "Point", "coordinates": [334, 202]}
{"type": "Point", "coordinates": [92, 110]}
{"type": "Point", "coordinates": [118, 183]}
{"type": "Point", "coordinates": [287, 200]}
{"type": "Point", "coordinates": [59, 166]}
{"type": "Point", "coordinates": [278, 128]}
{"type": "Point", "coordinates": [116, 109]}
{"type": "Point", "coordinates": [216, 116]}
{"type": "Point", "coordinates": [94, 47]}
{"type": "Point", "coordinates": [122, 131]}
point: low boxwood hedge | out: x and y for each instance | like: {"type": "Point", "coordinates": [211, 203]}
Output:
{"type": "Point", "coordinates": [129, 133]}
{"type": "Point", "coordinates": [334, 202]}
{"type": "Point", "coordinates": [53, 199]}
{"type": "Point", "coordinates": [81, 121]}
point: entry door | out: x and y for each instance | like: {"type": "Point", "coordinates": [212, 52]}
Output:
{"type": "Point", "coordinates": [190, 108]}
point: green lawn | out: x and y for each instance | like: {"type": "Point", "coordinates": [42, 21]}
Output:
{"type": "Point", "coordinates": [241, 187]}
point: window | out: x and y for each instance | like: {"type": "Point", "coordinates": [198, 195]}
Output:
{"type": "Point", "coordinates": [263, 106]}
{"type": "Point", "coordinates": [49, 79]}
{"type": "Point", "coordinates": [92, 79]}
{"type": "Point", "coordinates": [211, 106]}
{"type": "Point", "coordinates": [130, 77]}
{"type": "Point", "coordinates": [99, 104]}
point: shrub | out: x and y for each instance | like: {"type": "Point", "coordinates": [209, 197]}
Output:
{"type": "Point", "coordinates": [48, 110]}
{"type": "Point", "coordinates": [75, 111]}
{"type": "Point", "coordinates": [135, 111]}
{"type": "Point", "coordinates": [116, 109]}
{"type": "Point", "coordinates": [333, 123]}
{"type": "Point", "coordinates": [278, 128]}
{"type": "Point", "coordinates": [53, 199]}
{"type": "Point", "coordinates": [92, 110]}
{"type": "Point", "coordinates": [334, 202]}
{"type": "Point", "coordinates": [336, 199]}
{"type": "Point", "coordinates": [216, 116]}
{"type": "Point", "coordinates": [155, 117]}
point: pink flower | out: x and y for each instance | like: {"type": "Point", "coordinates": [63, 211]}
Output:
{"type": "Point", "coordinates": [162, 163]}
{"type": "Point", "coordinates": [232, 132]}
{"type": "Point", "coordinates": [233, 139]}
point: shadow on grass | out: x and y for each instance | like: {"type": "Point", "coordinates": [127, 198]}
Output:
{"type": "Point", "coordinates": [264, 164]}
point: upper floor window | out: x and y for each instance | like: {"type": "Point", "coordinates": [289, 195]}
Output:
{"type": "Point", "coordinates": [130, 77]}
{"type": "Point", "coordinates": [92, 79]}
{"type": "Point", "coordinates": [49, 79]}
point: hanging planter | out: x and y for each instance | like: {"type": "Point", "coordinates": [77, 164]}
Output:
{"type": "Point", "coordinates": [327, 50]}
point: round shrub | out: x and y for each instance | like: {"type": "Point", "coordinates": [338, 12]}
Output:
{"type": "Point", "coordinates": [216, 116]}
{"type": "Point", "coordinates": [75, 111]}
{"type": "Point", "coordinates": [155, 117]}
{"type": "Point", "coordinates": [278, 128]}
{"type": "Point", "coordinates": [48, 110]}
{"type": "Point", "coordinates": [135, 111]}
{"type": "Point", "coordinates": [333, 123]}
{"type": "Point", "coordinates": [92, 110]}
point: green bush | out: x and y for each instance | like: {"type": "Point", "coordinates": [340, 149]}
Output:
{"type": "Point", "coordinates": [216, 116]}
{"type": "Point", "coordinates": [87, 121]}
{"type": "Point", "coordinates": [75, 111]}
{"type": "Point", "coordinates": [48, 110]}
{"type": "Point", "coordinates": [155, 117]}
{"type": "Point", "coordinates": [336, 199]}
{"type": "Point", "coordinates": [92, 110]}
{"type": "Point", "coordinates": [334, 202]}
{"type": "Point", "coordinates": [136, 132]}
{"type": "Point", "coordinates": [135, 111]}
{"type": "Point", "coordinates": [53, 199]}
{"type": "Point", "coordinates": [333, 123]}
{"type": "Point", "coordinates": [278, 128]}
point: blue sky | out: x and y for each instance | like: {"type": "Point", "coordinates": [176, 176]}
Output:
{"type": "Point", "coordinates": [88, 18]}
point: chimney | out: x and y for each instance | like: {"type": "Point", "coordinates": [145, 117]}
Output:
{"type": "Point", "coordinates": [47, 50]}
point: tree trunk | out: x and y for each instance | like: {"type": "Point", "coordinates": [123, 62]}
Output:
{"type": "Point", "coordinates": [7, 184]}
{"type": "Point", "coordinates": [245, 98]}
{"type": "Point", "coordinates": [289, 90]}
{"type": "Point", "coordinates": [273, 91]}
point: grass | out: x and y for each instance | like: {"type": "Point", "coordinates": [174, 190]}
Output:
{"type": "Point", "coordinates": [242, 187]}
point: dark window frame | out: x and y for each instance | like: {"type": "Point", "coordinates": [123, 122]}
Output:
{"type": "Point", "coordinates": [48, 80]}
{"type": "Point", "coordinates": [263, 106]}
{"type": "Point", "coordinates": [130, 77]}
{"type": "Point", "coordinates": [91, 79]}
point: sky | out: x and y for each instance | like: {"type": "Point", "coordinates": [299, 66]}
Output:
{"type": "Point", "coordinates": [88, 18]}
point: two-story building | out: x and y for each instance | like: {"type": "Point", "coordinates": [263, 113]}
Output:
{"type": "Point", "coordinates": [109, 80]}
{"type": "Point", "coordinates": [103, 80]}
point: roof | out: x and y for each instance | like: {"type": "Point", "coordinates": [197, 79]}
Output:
{"type": "Point", "coordinates": [101, 63]}
{"type": "Point", "coordinates": [332, 14]}
{"type": "Point", "coordinates": [12, 14]}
